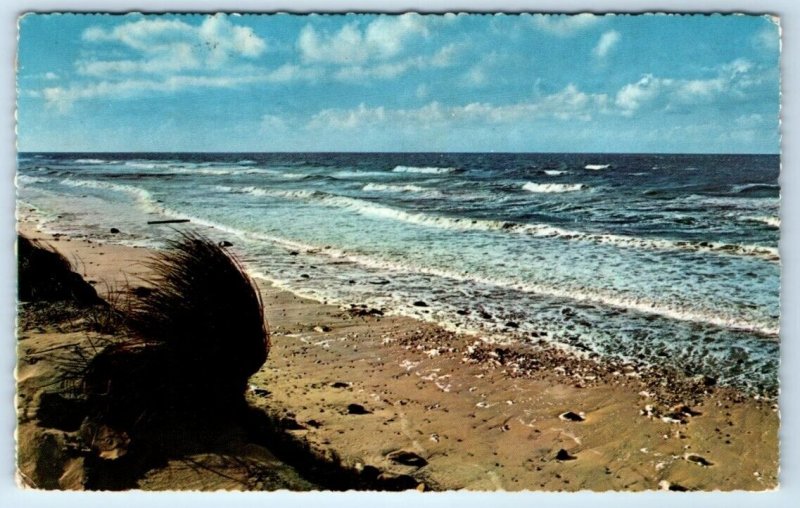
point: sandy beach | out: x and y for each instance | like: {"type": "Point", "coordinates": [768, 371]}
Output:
{"type": "Point", "coordinates": [390, 398]}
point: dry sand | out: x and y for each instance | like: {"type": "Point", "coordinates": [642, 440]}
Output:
{"type": "Point", "coordinates": [392, 397]}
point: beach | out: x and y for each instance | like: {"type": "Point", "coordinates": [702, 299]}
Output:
{"type": "Point", "coordinates": [394, 398]}
{"type": "Point", "coordinates": [377, 252]}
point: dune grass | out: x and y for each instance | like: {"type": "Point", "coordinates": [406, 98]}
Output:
{"type": "Point", "coordinates": [44, 274]}
{"type": "Point", "coordinates": [196, 336]}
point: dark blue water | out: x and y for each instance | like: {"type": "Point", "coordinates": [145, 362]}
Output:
{"type": "Point", "coordinates": [654, 258]}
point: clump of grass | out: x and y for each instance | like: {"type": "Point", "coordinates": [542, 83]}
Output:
{"type": "Point", "coordinates": [44, 274]}
{"type": "Point", "coordinates": [204, 309]}
{"type": "Point", "coordinates": [170, 371]}
{"type": "Point", "coordinates": [112, 318]}
{"type": "Point", "coordinates": [196, 337]}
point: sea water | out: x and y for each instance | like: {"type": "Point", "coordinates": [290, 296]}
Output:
{"type": "Point", "coordinates": [658, 259]}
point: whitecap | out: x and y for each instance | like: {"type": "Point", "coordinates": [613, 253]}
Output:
{"type": "Point", "coordinates": [357, 174]}
{"type": "Point", "coordinates": [30, 180]}
{"type": "Point", "coordinates": [596, 167]}
{"type": "Point", "coordinates": [142, 196]}
{"type": "Point", "coordinates": [379, 187]}
{"type": "Point", "coordinates": [90, 161]}
{"type": "Point", "coordinates": [549, 188]}
{"type": "Point", "coordinates": [428, 170]}
{"type": "Point", "coordinates": [371, 209]}
{"type": "Point", "coordinates": [774, 222]}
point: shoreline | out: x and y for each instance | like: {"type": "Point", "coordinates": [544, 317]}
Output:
{"type": "Point", "coordinates": [508, 330]}
{"type": "Point", "coordinates": [454, 413]}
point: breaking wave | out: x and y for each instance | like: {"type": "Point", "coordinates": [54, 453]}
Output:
{"type": "Point", "coordinates": [549, 188]}
{"type": "Point", "coordinates": [774, 222]}
{"type": "Point", "coordinates": [29, 180]}
{"type": "Point", "coordinates": [91, 161]}
{"type": "Point", "coordinates": [428, 170]}
{"type": "Point", "coordinates": [142, 196]}
{"type": "Point", "coordinates": [370, 209]}
{"type": "Point", "coordinates": [380, 187]}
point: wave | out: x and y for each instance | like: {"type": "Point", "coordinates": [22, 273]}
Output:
{"type": "Point", "coordinates": [380, 187]}
{"type": "Point", "coordinates": [146, 165]}
{"type": "Point", "coordinates": [367, 208]}
{"type": "Point", "coordinates": [774, 222]}
{"type": "Point", "coordinates": [579, 294]}
{"type": "Point", "coordinates": [223, 170]}
{"type": "Point", "coordinates": [428, 170]}
{"type": "Point", "coordinates": [596, 167]}
{"type": "Point", "coordinates": [91, 161]}
{"type": "Point", "coordinates": [355, 175]}
{"type": "Point", "coordinates": [549, 188]}
{"type": "Point", "coordinates": [261, 192]}
{"type": "Point", "coordinates": [30, 180]}
{"type": "Point", "coordinates": [142, 196]}
{"type": "Point", "coordinates": [741, 202]}
{"type": "Point", "coordinates": [765, 189]}
{"type": "Point", "coordinates": [554, 172]}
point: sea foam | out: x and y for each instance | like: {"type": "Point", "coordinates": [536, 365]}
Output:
{"type": "Point", "coordinates": [549, 188]}
{"type": "Point", "coordinates": [371, 209]}
{"type": "Point", "coordinates": [142, 196]}
{"type": "Point", "coordinates": [774, 222]}
{"type": "Point", "coordinates": [30, 180]}
{"type": "Point", "coordinates": [90, 161]}
{"type": "Point", "coordinates": [428, 170]}
{"type": "Point", "coordinates": [380, 187]}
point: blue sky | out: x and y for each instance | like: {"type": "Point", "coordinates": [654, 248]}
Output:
{"type": "Point", "coordinates": [530, 83]}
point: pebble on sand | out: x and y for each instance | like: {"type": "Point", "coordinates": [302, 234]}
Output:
{"type": "Point", "coordinates": [407, 458]}
{"type": "Point", "coordinates": [564, 455]}
{"type": "Point", "coordinates": [357, 409]}
{"type": "Point", "coordinates": [698, 459]}
{"type": "Point", "coordinates": [572, 416]}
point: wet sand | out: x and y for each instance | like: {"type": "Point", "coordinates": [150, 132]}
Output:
{"type": "Point", "coordinates": [393, 397]}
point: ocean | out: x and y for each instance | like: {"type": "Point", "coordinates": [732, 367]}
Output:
{"type": "Point", "coordinates": [656, 259]}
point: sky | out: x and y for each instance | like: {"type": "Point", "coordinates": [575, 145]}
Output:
{"type": "Point", "coordinates": [386, 83]}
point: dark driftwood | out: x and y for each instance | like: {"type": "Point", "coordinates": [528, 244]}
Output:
{"type": "Point", "coordinates": [168, 221]}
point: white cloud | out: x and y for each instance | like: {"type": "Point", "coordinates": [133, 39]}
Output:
{"type": "Point", "coordinates": [164, 46]}
{"type": "Point", "coordinates": [62, 98]}
{"type": "Point", "coordinates": [381, 39]}
{"type": "Point", "coordinates": [476, 76]}
{"type": "Point", "coordinates": [695, 89]}
{"type": "Point", "coordinates": [272, 123]}
{"type": "Point", "coordinates": [630, 97]}
{"type": "Point", "coordinates": [606, 43]}
{"type": "Point", "coordinates": [224, 39]}
{"type": "Point", "coordinates": [290, 72]}
{"type": "Point", "coordinates": [751, 120]}
{"type": "Point", "coordinates": [50, 76]}
{"type": "Point", "coordinates": [769, 37]}
{"type": "Point", "coordinates": [564, 25]}
{"type": "Point", "coordinates": [388, 70]}
{"type": "Point", "coordinates": [732, 80]}
{"type": "Point", "coordinates": [166, 55]}
{"type": "Point", "coordinates": [568, 104]}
